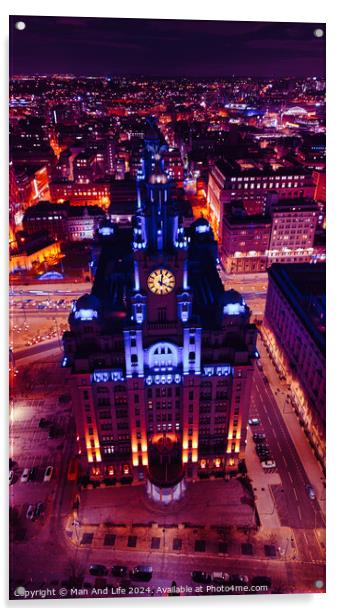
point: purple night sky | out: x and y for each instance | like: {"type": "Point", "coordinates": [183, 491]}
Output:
{"type": "Point", "coordinates": [162, 47]}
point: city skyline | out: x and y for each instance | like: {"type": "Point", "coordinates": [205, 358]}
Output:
{"type": "Point", "coordinates": [167, 48]}
{"type": "Point", "coordinates": [167, 256]}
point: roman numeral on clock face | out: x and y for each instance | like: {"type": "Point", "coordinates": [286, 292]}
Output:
{"type": "Point", "coordinates": [161, 281]}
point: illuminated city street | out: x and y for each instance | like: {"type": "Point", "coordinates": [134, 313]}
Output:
{"type": "Point", "coordinates": [167, 310]}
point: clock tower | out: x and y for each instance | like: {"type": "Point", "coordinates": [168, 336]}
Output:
{"type": "Point", "coordinates": [160, 354]}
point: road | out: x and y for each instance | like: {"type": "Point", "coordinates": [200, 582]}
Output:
{"type": "Point", "coordinates": [294, 508]}
{"type": "Point", "coordinates": [291, 576]}
{"type": "Point", "coordinates": [293, 505]}
{"type": "Point", "coordinates": [253, 288]}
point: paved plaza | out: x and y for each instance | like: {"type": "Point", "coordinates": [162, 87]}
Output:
{"type": "Point", "coordinates": [220, 502]}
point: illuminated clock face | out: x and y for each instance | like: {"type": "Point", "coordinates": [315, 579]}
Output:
{"type": "Point", "coordinates": [161, 281]}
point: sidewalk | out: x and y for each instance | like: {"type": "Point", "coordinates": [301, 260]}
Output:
{"type": "Point", "coordinates": [208, 541]}
{"type": "Point", "coordinates": [261, 482]}
{"type": "Point", "coordinates": [306, 455]}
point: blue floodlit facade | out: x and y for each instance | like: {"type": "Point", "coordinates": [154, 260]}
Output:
{"type": "Point", "coordinates": [160, 356]}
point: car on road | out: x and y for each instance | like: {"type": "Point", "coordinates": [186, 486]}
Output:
{"type": "Point", "coordinates": [264, 456]}
{"type": "Point", "coordinates": [268, 464]}
{"type": "Point", "coordinates": [98, 570]}
{"type": "Point", "coordinates": [201, 577]}
{"type": "Point", "coordinates": [262, 449]}
{"type": "Point", "coordinates": [30, 512]}
{"type": "Point", "coordinates": [259, 436]}
{"type": "Point", "coordinates": [261, 446]}
{"type": "Point", "coordinates": [239, 580]}
{"type": "Point", "coordinates": [119, 571]}
{"type": "Point", "coordinates": [48, 473]}
{"type": "Point", "coordinates": [64, 398]}
{"type": "Point", "coordinates": [261, 580]}
{"type": "Point", "coordinates": [33, 473]}
{"type": "Point", "coordinates": [53, 432]}
{"type": "Point", "coordinates": [44, 423]}
{"type": "Point", "coordinates": [310, 492]}
{"type": "Point", "coordinates": [25, 475]}
{"type": "Point", "coordinates": [259, 365]}
{"type": "Point", "coordinates": [220, 577]}
{"type": "Point", "coordinates": [142, 572]}
{"type": "Point", "coordinates": [11, 477]}
{"type": "Point", "coordinates": [39, 509]}
{"type": "Point", "coordinates": [57, 431]}
{"type": "Point", "coordinates": [254, 421]}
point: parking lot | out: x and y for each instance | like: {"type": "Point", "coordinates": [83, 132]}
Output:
{"type": "Point", "coordinates": [33, 449]}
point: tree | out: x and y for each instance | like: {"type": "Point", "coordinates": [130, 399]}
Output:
{"type": "Point", "coordinates": [75, 572]}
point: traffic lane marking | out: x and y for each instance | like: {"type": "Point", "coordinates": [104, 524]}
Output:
{"type": "Point", "coordinates": [295, 462]}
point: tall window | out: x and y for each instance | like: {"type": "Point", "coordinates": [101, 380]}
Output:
{"type": "Point", "coordinates": [161, 315]}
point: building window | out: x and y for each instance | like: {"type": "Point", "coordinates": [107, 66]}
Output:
{"type": "Point", "coordinates": [106, 427]}
{"type": "Point", "coordinates": [161, 315]}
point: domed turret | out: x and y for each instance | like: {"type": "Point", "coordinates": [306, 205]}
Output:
{"type": "Point", "coordinates": [86, 308]}
{"type": "Point", "coordinates": [201, 226]}
{"type": "Point", "coordinates": [233, 303]}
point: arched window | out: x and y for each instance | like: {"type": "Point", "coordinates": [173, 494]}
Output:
{"type": "Point", "coordinates": [163, 354]}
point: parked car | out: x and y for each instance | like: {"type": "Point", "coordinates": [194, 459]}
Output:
{"type": "Point", "coordinates": [259, 365]}
{"type": "Point", "coordinates": [53, 432]}
{"type": "Point", "coordinates": [119, 571]}
{"type": "Point", "coordinates": [220, 577]}
{"type": "Point", "coordinates": [266, 464]}
{"type": "Point", "coordinates": [64, 398]}
{"type": "Point", "coordinates": [239, 580]}
{"type": "Point", "coordinates": [25, 475]}
{"type": "Point", "coordinates": [263, 451]}
{"type": "Point", "coordinates": [30, 512]}
{"type": "Point", "coordinates": [201, 577]}
{"type": "Point", "coordinates": [44, 423]}
{"type": "Point", "coordinates": [254, 421]}
{"type": "Point", "coordinates": [32, 474]}
{"type": "Point", "coordinates": [262, 446]}
{"type": "Point", "coordinates": [259, 436]}
{"type": "Point", "coordinates": [261, 580]}
{"type": "Point", "coordinates": [39, 508]}
{"type": "Point", "coordinates": [48, 473]}
{"type": "Point", "coordinates": [98, 570]}
{"type": "Point", "coordinates": [264, 456]}
{"type": "Point", "coordinates": [142, 572]}
{"type": "Point", "coordinates": [11, 477]}
{"type": "Point", "coordinates": [310, 492]}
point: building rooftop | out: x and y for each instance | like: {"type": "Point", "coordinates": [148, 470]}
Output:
{"type": "Point", "coordinates": [291, 204]}
{"type": "Point", "coordinates": [232, 167]}
{"type": "Point", "coordinates": [44, 208]}
{"type": "Point", "coordinates": [237, 215]}
{"type": "Point", "coordinates": [304, 286]}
